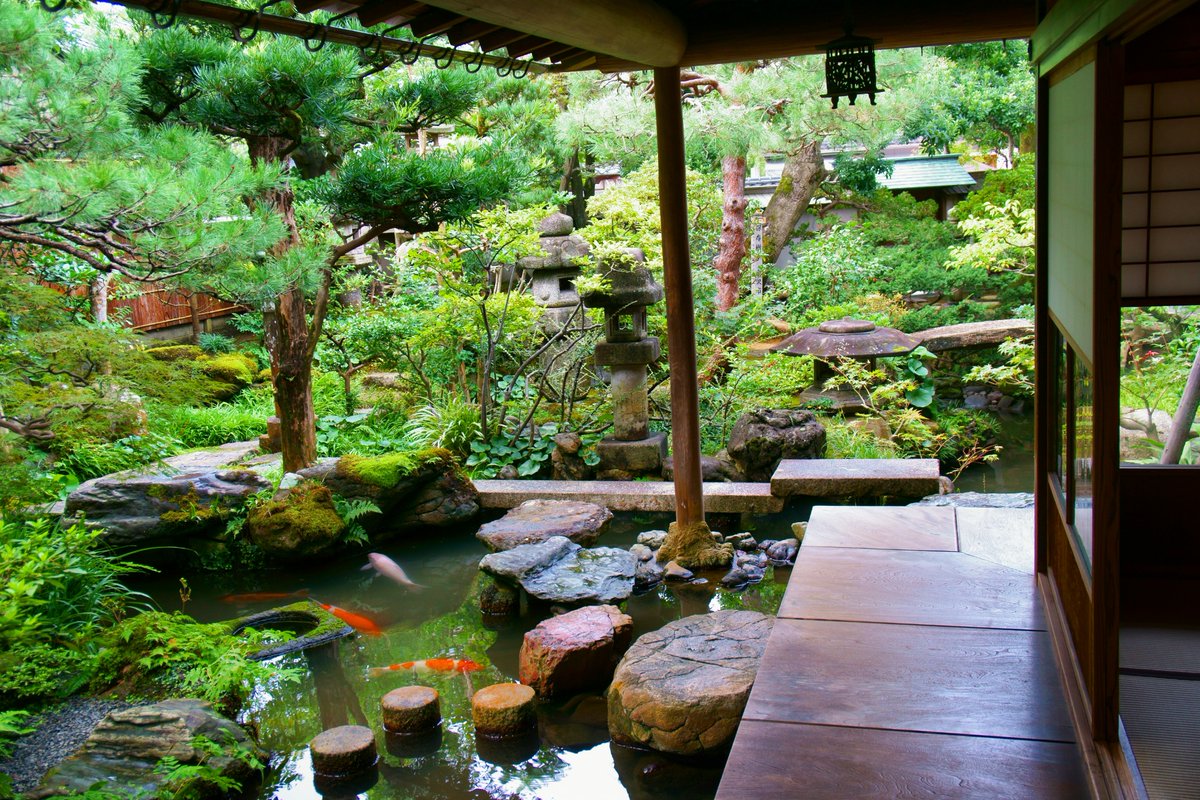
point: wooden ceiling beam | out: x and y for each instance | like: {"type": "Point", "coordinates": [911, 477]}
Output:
{"type": "Point", "coordinates": [469, 31]}
{"type": "Point", "coordinates": [306, 6]}
{"type": "Point", "coordinates": [376, 12]}
{"type": "Point", "coordinates": [783, 28]}
{"type": "Point", "coordinates": [634, 30]}
{"type": "Point", "coordinates": [501, 38]}
{"type": "Point", "coordinates": [551, 50]}
{"type": "Point", "coordinates": [433, 22]}
{"type": "Point", "coordinates": [526, 46]}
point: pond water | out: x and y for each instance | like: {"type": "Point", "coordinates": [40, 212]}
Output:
{"type": "Point", "coordinates": [570, 757]}
{"type": "Point", "coordinates": [1013, 471]}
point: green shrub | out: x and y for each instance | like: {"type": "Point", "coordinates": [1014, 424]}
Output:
{"type": "Point", "coordinates": [215, 343]}
{"type": "Point", "coordinates": [210, 426]}
{"type": "Point", "coordinates": [38, 672]}
{"type": "Point", "coordinates": [56, 584]}
{"type": "Point", "coordinates": [91, 459]}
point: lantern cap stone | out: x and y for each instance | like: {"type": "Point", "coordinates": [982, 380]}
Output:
{"type": "Point", "coordinates": [855, 338]}
{"type": "Point", "coordinates": [629, 284]}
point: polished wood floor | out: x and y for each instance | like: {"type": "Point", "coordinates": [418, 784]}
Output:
{"type": "Point", "coordinates": [910, 658]}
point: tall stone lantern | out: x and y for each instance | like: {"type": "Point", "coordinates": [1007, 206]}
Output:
{"type": "Point", "coordinates": [553, 273]}
{"type": "Point", "coordinates": [626, 351]}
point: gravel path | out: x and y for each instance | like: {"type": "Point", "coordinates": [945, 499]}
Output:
{"type": "Point", "coordinates": [59, 733]}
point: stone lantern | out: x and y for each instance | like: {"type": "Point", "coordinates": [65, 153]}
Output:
{"type": "Point", "coordinates": [626, 351]}
{"type": "Point", "coordinates": [552, 275]}
{"type": "Point", "coordinates": [844, 338]}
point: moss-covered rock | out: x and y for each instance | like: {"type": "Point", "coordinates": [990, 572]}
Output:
{"type": "Point", "coordinates": [177, 352]}
{"type": "Point", "coordinates": [233, 368]}
{"type": "Point", "coordinates": [299, 524]}
{"type": "Point", "coordinates": [386, 471]}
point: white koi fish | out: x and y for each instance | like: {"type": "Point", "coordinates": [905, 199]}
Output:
{"type": "Point", "coordinates": [390, 569]}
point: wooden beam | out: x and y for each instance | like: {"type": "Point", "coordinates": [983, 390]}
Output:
{"type": "Point", "coordinates": [501, 38]}
{"type": "Point", "coordinates": [433, 22]}
{"type": "Point", "coordinates": [784, 28]}
{"type": "Point", "coordinates": [550, 50]}
{"type": "Point", "coordinates": [376, 12]}
{"type": "Point", "coordinates": [635, 30]}
{"type": "Point", "coordinates": [677, 277]}
{"type": "Point", "coordinates": [469, 31]}
{"type": "Point", "coordinates": [525, 46]}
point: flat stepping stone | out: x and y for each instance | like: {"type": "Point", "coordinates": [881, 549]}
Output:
{"type": "Point", "coordinates": [343, 751]}
{"type": "Point", "coordinates": [538, 520]}
{"type": "Point", "coordinates": [411, 709]}
{"type": "Point", "coordinates": [560, 571]}
{"type": "Point", "coordinates": [503, 709]}
{"type": "Point", "coordinates": [719, 497]}
{"type": "Point", "coordinates": [856, 477]}
{"type": "Point", "coordinates": [682, 689]}
{"type": "Point", "coordinates": [974, 334]}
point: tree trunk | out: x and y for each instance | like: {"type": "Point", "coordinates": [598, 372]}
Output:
{"type": "Point", "coordinates": [803, 172]}
{"type": "Point", "coordinates": [1185, 415]}
{"type": "Point", "coordinates": [194, 314]}
{"type": "Point", "coordinates": [98, 294]}
{"type": "Point", "coordinates": [731, 250]}
{"type": "Point", "coordinates": [286, 331]}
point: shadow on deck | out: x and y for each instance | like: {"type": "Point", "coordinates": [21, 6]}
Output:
{"type": "Point", "coordinates": [910, 658]}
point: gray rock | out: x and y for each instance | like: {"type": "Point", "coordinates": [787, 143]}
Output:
{"type": "Point", "coordinates": [652, 539]}
{"type": "Point", "coordinates": [742, 541]}
{"type": "Point", "coordinates": [641, 552]}
{"type": "Point", "coordinates": [735, 577]}
{"type": "Point", "coordinates": [151, 509]}
{"type": "Point", "coordinates": [979, 500]}
{"type": "Point", "coordinates": [539, 520]}
{"type": "Point", "coordinates": [682, 689]}
{"type": "Point", "coordinates": [754, 573]}
{"type": "Point", "coordinates": [122, 752]}
{"type": "Point", "coordinates": [761, 439]}
{"type": "Point", "coordinates": [783, 551]}
{"type": "Point", "coordinates": [648, 575]}
{"type": "Point", "coordinates": [557, 224]}
{"type": "Point", "coordinates": [757, 560]}
{"type": "Point", "coordinates": [673, 572]}
{"type": "Point", "coordinates": [975, 401]}
{"type": "Point", "coordinates": [559, 571]}
{"type": "Point", "coordinates": [713, 469]}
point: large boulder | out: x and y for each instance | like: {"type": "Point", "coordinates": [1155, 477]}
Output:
{"type": "Point", "coordinates": [560, 571]}
{"type": "Point", "coordinates": [682, 689]}
{"type": "Point", "coordinates": [538, 520]}
{"type": "Point", "coordinates": [124, 750]}
{"type": "Point", "coordinates": [412, 491]}
{"type": "Point", "coordinates": [761, 439]}
{"type": "Point", "coordinates": [148, 509]}
{"type": "Point", "coordinates": [576, 651]}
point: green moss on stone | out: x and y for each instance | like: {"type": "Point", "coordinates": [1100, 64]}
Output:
{"type": "Point", "coordinates": [303, 522]}
{"type": "Point", "coordinates": [177, 352]}
{"type": "Point", "coordinates": [233, 368]}
{"type": "Point", "coordinates": [387, 470]}
{"type": "Point", "coordinates": [693, 547]}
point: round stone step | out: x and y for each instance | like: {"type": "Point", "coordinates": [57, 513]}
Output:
{"type": "Point", "coordinates": [411, 709]}
{"type": "Point", "coordinates": [503, 709]}
{"type": "Point", "coordinates": [343, 751]}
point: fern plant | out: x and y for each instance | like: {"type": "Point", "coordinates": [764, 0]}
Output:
{"type": "Point", "coordinates": [351, 509]}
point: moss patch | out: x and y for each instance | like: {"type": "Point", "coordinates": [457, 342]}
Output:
{"type": "Point", "coordinates": [388, 470]}
{"type": "Point", "coordinates": [177, 352]}
{"type": "Point", "coordinates": [693, 547]}
{"type": "Point", "coordinates": [234, 368]}
{"type": "Point", "coordinates": [302, 523]}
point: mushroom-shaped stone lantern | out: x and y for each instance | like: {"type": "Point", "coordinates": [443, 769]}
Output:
{"type": "Point", "coordinates": [844, 338]}
{"type": "Point", "coordinates": [626, 351]}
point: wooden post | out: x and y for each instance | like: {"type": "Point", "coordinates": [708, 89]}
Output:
{"type": "Point", "coordinates": [677, 278]}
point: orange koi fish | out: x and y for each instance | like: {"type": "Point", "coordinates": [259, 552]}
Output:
{"type": "Point", "coordinates": [428, 665]}
{"type": "Point", "coordinates": [357, 621]}
{"type": "Point", "coordinates": [258, 597]}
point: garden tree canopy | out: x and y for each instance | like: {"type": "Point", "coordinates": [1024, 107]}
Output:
{"type": "Point", "coordinates": [275, 97]}
{"type": "Point", "coordinates": [81, 178]}
{"type": "Point", "coordinates": [980, 93]}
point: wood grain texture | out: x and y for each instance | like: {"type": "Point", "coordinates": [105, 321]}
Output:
{"type": "Point", "coordinates": [1002, 536]}
{"type": "Point", "coordinates": [896, 528]}
{"type": "Point", "coordinates": [777, 761]}
{"type": "Point", "coordinates": [902, 677]}
{"type": "Point", "coordinates": [903, 586]}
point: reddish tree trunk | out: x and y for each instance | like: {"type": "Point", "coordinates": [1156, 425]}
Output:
{"type": "Point", "coordinates": [732, 247]}
{"type": "Point", "coordinates": [287, 332]}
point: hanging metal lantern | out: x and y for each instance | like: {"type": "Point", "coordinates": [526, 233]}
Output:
{"type": "Point", "coordinates": [850, 68]}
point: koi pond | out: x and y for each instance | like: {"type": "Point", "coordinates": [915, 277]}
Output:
{"type": "Point", "coordinates": [570, 755]}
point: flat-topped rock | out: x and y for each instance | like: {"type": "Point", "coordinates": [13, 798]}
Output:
{"type": "Point", "coordinates": [974, 334]}
{"type": "Point", "coordinates": [979, 500]}
{"type": "Point", "coordinates": [538, 520]}
{"type": "Point", "coordinates": [682, 689]}
{"type": "Point", "coordinates": [560, 571]}
{"type": "Point", "coordinates": [576, 651]}
{"type": "Point", "coordinates": [719, 498]}
{"type": "Point", "coordinates": [856, 477]}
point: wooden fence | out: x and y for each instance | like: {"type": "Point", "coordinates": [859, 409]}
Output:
{"type": "Point", "coordinates": [155, 306]}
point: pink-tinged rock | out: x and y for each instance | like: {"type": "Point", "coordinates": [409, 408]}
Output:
{"type": "Point", "coordinates": [576, 651]}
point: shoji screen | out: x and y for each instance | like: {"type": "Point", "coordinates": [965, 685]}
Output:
{"type": "Point", "coordinates": [1160, 251]}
